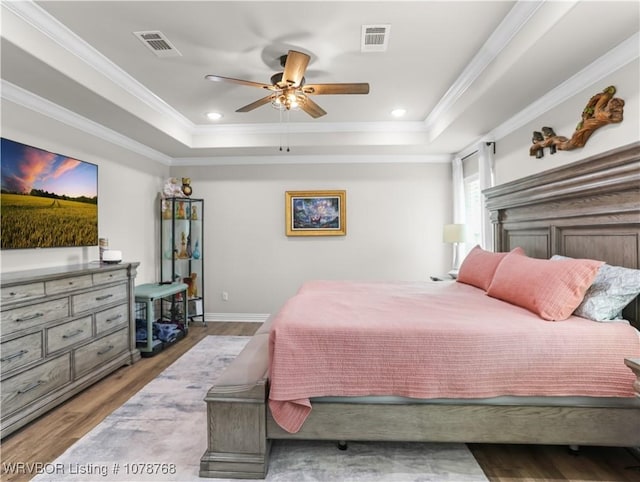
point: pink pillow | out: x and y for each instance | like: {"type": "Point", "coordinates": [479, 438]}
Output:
{"type": "Point", "coordinates": [479, 266]}
{"type": "Point", "coordinates": [551, 289]}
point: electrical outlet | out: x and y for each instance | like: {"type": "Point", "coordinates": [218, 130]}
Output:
{"type": "Point", "coordinates": [225, 296]}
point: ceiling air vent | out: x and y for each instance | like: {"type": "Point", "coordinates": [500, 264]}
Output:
{"type": "Point", "coordinates": [158, 43]}
{"type": "Point", "coordinates": [375, 38]}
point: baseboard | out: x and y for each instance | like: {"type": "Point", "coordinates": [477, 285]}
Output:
{"type": "Point", "coordinates": [237, 317]}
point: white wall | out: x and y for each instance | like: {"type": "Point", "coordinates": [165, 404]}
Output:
{"type": "Point", "coordinates": [128, 186]}
{"type": "Point", "coordinates": [395, 214]}
{"type": "Point", "coordinates": [512, 160]}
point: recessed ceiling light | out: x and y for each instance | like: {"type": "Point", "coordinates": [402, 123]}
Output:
{"type": "Point", "coordinates": [214, 115]}
{"type": "Point", "coordinates": [398, 112]}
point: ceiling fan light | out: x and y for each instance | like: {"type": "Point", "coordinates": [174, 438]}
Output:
{"type": "Point", "coordinates": [277, 101]}
{"type": "Point", "coordinates": [292, 101]}
{"type": "Point", "coordinates": [289, 100]}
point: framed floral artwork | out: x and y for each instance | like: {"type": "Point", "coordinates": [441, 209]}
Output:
{"type": "Point", "coordinates": [316, 213]}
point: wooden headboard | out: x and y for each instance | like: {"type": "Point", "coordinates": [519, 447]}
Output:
{"type": "Point", "coordinates": [586, 209]}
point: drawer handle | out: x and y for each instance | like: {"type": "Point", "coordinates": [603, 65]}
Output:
{"type": "Point", "coordinates": [14, 355]}
{"type": "Point", "coordinates": [105, 297]}
{"type": "Point", "coordinates": [113, 318]}
{"type": "Point", "coordinates": [105, 350]}
{"type": "Point", "coordinates": [30, 317]}
{"type": "Point", "coordinates": [72, 334]}
{"type": "Point", "coordinates": [28, 388]}
{"type": "Point", "coordinates": [14, 295]}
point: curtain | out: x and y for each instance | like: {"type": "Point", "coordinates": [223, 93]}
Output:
{"type": "Point", "coordinates": [458, 191]}
{"type": "Point", "coordinates": [485, 167]}
{"type": "Point", "coordinates": [459, 215]}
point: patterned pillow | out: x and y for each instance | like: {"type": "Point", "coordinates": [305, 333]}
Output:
{"type": "Point", "coordinates": [613, 289]}
{"type": "Point", "coordinates": [479, 266]}
{"type": "Point", "coordinates": [551, 289]}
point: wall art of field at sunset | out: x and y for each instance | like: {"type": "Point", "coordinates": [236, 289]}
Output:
{"type": "Point", "coordinates": [47, 200]}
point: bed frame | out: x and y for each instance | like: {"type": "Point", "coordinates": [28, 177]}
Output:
{"type": "Point", "coordinates": [589, 209]}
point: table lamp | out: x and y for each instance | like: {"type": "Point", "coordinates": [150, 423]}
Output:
{"type": "Point", "coordinates": [454, 234]}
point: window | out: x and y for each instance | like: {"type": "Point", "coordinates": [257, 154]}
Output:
{"type": "Point", "coordinates": [473, 210]}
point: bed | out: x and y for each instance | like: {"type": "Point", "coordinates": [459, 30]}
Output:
{"type": "Point", "coordinates": [588, 209]}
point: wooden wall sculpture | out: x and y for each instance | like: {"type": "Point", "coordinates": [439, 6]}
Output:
{"type": "Point", "coordinates": [602, 109]}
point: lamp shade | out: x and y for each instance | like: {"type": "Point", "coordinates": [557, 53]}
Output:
{"type": "Point", "coordinates": [454, 233]}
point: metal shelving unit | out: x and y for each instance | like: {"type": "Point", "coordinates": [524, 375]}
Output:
{"type": "Point", "coordinates": [181, 249]}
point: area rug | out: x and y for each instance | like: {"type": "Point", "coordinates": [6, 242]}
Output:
{"type": "Point", "coordinates": [159, 434]}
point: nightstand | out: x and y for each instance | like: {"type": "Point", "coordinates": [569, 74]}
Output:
{"type": "Point", "coordinates": [634, 364]}
{"type": "Point", "coordinates": [442, 277]}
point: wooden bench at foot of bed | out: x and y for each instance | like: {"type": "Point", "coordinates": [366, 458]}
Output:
{"type": "Point", "coordinates": [237, 443]}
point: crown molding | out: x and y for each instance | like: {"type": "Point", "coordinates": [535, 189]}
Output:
{"type": "Point", "coordinates": [29, 100]}
{"type": "Point", "coordinates": [17, 95]}
{"type": "Point", "coordinates": [37, 17]}
{"type": "Point", "coordinates": [40, 19]}
{"type": "Point", "coordinates": [620, 56]}
{"type": "Point", "coordinates": [310, 127]}
{"type": "Point", "coordinates": [517, 18]}
{"type": "Point", "coordinates": [625, 53]}
{"type": "Point", "coordinates": [312, 159]}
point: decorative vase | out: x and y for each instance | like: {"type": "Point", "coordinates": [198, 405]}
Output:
{"type": "Point", "coordinates": [194, 285]}
{"type": "Point", "coordinates": [186, 186]}
{"type": "Point", "coordinates": [182, 254]}
{"type": "Point", "coordinates": [196, 251]}
{"type": "Point", "coordinates": [180, 210]}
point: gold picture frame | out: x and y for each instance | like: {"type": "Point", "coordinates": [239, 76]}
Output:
{"type": "Point", "coordinates": [316, 213]}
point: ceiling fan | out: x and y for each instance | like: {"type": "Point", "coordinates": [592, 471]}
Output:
{"type": "Point", "coordinates": [288, 89]}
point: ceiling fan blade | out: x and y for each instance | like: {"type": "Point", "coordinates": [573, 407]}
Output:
{"type": "Point", "coordinates": [217, 78]}
{"type": "Point", "coordinates": [328, 89]}
{"type": "Point", "coordinates": [295, 67]}
{"type": "Point", "coordinates": [313, 109]}
{"type": "Point", "coordinates": [255, 105]}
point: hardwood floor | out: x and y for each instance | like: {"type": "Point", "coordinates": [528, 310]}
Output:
{"type": "Point", "coordinates": [43, 440]}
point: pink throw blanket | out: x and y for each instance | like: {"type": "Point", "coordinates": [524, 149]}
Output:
{"type": "Point", "coordinates": [434, 340]}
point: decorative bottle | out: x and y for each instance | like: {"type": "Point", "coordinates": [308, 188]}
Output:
{"type": "Point", "coordinates": [196, 251]}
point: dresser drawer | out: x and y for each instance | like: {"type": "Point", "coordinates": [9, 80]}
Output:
{"type": "Point", "coordinates": [65, 285]}
{"type": "Point", "coordinates": [33, 315]}
{"type": "Point", "coordinates": [107, 319]}
{"type": "Point", "coordinates": [88, 357]}
{"type": "Point", "coordinates": [67, 334]}
{"type": "Point", "coordinates": [19, 391]}
{"type": "Point", "coordinates": [19, 352]}
{"type": "Point", "coordinates": [109, 276]}
{"type": "Point", "coordinates": [93, 300]}
{"type": "Point", "coordinates": [22, 292]}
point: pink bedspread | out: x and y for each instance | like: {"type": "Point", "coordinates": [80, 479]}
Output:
{"type": "Point", "coordinates": [434, 340]}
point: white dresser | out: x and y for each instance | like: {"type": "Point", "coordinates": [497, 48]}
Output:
{"type": "Point", "coordinates": [62, 329]}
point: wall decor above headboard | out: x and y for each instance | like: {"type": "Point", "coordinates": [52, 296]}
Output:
{"type": "Point", "coordinates": [602, 109]}
{"type": "Point", "coordinates": [586, 209]}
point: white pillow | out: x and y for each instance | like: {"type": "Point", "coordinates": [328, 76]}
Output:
{"type": "Point", "coordinates": [613, 288]}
